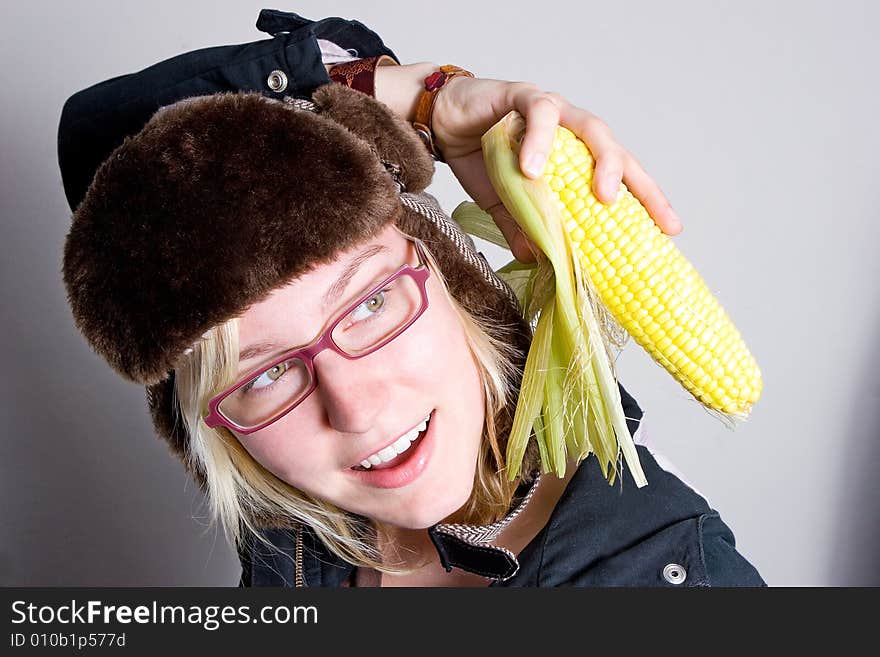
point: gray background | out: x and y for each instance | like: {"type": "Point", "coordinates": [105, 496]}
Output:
{"type": "Point", "coordinates": [758, 119]}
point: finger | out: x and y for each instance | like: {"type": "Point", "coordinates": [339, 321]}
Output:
{"type": "Point", "coordinates": [609, 156]}
{"type": "Point", "coordinates": [471, 173]}
{"type": "Point", "coordinates": [651, 196]}
{"type": "Point", "coordinates": [608, 174]}
{"type": "Point", "coordinates": [615, 165]}
{"type": "Point", "coordinates": [541, 114]}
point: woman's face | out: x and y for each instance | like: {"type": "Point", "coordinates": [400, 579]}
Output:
{"type": "Point", "coordinates": [361, 407]}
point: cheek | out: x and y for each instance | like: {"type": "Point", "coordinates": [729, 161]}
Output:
{"type": "Point", "coordinates": [278, 449]}
{"type": "Point", "coordinates": [433, 351]}
{"type": "Point", "coordinates": [452, 364]}
{"type": "Point", "coordinates": [449, 349]}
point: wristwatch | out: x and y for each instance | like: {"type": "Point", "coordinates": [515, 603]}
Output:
{"type": "Point", "coordinates": [433, 84]}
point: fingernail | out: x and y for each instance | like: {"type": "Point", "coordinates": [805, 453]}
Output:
{"type": "Point", "coordinates": [535, 164]}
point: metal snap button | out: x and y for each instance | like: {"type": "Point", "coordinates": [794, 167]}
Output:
{"type": "Point", "coordinates": [674, 573]}
{"type": "Point", "coordinates": [277, 81]}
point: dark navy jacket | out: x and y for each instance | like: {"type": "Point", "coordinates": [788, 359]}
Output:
{"type": "Point", "coordinates": [663, 534]}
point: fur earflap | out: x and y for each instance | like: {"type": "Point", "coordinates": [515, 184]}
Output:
{"type": "Point", "coordinates": [393, 138]}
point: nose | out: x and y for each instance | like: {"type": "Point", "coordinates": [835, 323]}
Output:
{"type": "Point", "coordinates": [353, 392]}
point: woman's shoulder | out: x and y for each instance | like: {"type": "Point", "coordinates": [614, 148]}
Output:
{"type": "Point", "coordinates": [663, 534]}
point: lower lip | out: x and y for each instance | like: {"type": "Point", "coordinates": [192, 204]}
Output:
{"type": "Point", "coordinates": [404, 473]}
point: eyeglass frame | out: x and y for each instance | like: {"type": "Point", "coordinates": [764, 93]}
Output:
{"type": "Point", "coordinates": [308, 353]}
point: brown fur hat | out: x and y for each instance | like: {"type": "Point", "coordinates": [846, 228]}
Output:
{"type": "Point", "coordinates": [220, 199]}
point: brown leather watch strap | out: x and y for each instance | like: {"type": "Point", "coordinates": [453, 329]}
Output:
{"type": "Point", "coordinates": [425, 109]}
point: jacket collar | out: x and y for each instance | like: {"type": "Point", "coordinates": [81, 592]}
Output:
{"type": "Point", "coordinates": [468, 547]}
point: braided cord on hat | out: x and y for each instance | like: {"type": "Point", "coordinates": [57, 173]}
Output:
{"type": "Point", "coordinates": [427, 206]}
{"type": "Point", "coordinates": [302, 104]}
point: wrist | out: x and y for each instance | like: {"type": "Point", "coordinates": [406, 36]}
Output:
{"type": "Point", "coordinates": [424, 123]}
{"type": "Point", "coordinates": [400, 87]}
{"type": "Point", "coordinates": [359, 74]}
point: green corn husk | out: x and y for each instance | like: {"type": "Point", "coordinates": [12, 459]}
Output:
{"type": "Point", "coordinates": [569, 397]}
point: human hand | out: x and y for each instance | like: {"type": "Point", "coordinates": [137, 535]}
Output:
{"type": "Point", "coordinates": [465, 108]}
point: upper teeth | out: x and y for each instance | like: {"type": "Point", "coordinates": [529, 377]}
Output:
{"type": "Point", "coordinates": [396, 448]}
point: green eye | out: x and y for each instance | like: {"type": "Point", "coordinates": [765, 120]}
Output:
{"type": "Point", "coordinates": [370, 307]}
{"type": "Point", "coordinates": [276, 372]}
{"type": "Point", "coordinates": [375, 302]}
{"type": "Point", "coordinates": [267, 378]}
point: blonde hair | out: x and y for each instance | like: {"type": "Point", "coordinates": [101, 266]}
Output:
{"type": "Point", "coordinates": [240, 491]}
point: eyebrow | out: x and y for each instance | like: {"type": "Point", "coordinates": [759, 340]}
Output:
{"type": "Point", "coordinates": [338, 287]}
{"type": "Point", "coordinates": [257, 349]}
{"type": "Point", "coordinates": [348, 273]}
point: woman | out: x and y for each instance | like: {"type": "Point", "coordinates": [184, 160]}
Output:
{"type": "Point", "coordinates": [336, 364]}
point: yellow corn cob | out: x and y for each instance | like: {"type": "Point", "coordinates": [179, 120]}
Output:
{"type": "Point", "coordinates": [649, 286]}
{"type": "Point", "coordinates": [600, 268]}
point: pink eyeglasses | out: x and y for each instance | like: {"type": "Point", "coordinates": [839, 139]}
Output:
{"type": "Point", "coordinates": [268, 393]}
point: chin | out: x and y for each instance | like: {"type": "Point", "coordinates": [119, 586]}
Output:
{"type": "Point", "coordinates": [434, 508]}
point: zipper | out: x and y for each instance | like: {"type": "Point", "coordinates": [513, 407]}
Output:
{"type": "Point", "coordinates": [299, 581]}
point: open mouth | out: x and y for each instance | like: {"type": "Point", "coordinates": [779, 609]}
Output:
{"type": "Point", "coordinates": [397, 452]}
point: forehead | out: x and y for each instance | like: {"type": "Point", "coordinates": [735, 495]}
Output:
{"type": "Point", "coordinates": [300, 302]}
